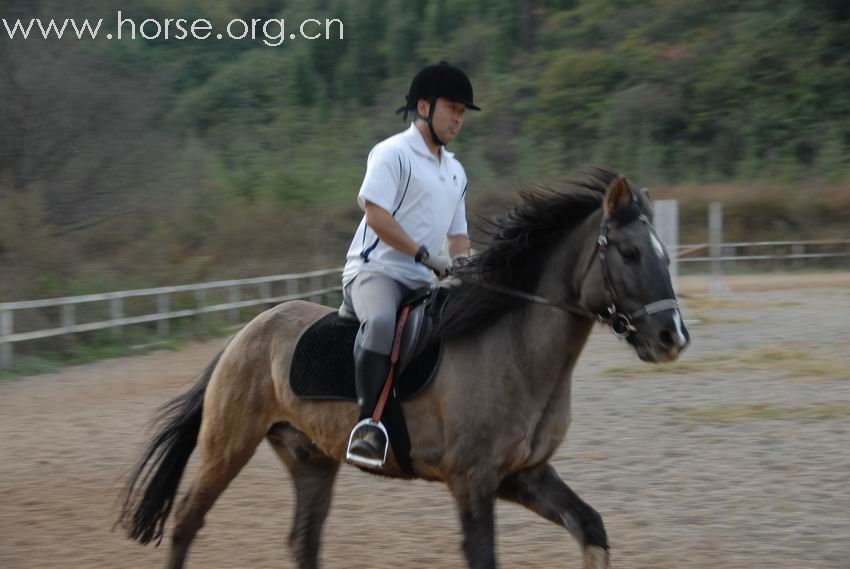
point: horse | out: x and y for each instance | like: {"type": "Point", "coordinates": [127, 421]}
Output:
{"type": "Point", "coordinates": [515, 320]}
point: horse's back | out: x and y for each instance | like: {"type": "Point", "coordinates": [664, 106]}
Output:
{"type": "Point", "coordinates": [281, 327]}
{"type": "Point", "coordinates": [290, 319]}
{"type": "Point", "coordinates": [256, 361]}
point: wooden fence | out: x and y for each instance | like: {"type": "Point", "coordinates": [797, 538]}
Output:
{"type": "Point", "coordinates": [764, 251]}
{"type": "Point", "coordinates": [315, 289]}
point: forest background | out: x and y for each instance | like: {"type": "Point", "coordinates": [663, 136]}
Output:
{"type": "Point", "coordinates": [128, 164]}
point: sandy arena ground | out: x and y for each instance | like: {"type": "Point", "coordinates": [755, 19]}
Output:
{"type": "Point", "coordinates": [738, 456]}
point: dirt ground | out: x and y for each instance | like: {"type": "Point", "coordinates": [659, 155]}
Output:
{"type": "Point", "coordinates": [737, 456]}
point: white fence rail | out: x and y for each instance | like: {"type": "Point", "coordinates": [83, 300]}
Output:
{"type": "Point", "coordinates": [317, 288]}
{"type": "Point", "coordinates": [795, 251]}
{"type": "Point", "coordinates": [764, 251]}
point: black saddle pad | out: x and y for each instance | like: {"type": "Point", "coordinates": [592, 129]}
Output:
{"type": "Point", "coordinates": [323, 364]}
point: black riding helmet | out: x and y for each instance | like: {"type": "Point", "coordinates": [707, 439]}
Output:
{"type": "Point", "coordinates": [440, 80]}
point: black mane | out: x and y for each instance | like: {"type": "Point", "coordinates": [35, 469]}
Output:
{"type": "Point", "coordinates": [519, 244]}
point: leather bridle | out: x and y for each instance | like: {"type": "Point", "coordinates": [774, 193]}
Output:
{"type": "Point", "coordinates": [621, 322]}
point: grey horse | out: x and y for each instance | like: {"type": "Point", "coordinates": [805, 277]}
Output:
{"type": "Point", "coordinates": [513, 326]}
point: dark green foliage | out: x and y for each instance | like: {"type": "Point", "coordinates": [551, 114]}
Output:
{"type": "Point", "coordinates": [674, 89]}
{"type": "Point", "coordinates": [180, 156]}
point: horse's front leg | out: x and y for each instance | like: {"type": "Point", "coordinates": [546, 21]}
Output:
{"type": "Point", "coordinates": [541, 490]}
{"type": "Point", "coordinates": [476, 503]}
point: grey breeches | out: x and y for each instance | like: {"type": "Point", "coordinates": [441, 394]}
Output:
{"type": "Point", "coordinates": [373, 299]}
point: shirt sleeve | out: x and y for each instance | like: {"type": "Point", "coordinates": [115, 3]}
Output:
{"type": "Point", "coordinates": [383, 177]}
{"type": "Point", "coordinates": [458, 225]}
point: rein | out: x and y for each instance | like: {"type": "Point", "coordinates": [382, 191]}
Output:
{"type": "Point", "coordinates": [619, 321]}
{"type": "Point", "coordinates": [573, 308]}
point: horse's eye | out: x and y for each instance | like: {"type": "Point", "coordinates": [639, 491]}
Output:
{"type": "Point", "coordinates": [630, 255]}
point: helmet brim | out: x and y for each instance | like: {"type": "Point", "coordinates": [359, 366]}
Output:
{"type": "Point", "coordinates": [467, 104]}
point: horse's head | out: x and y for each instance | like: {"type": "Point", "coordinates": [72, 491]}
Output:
{"type": "Point", "coordinates": [629, 280]}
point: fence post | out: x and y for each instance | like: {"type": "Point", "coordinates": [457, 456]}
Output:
{"type": "Point", "coordinates": [316, 284]}
{"type": "Point", "coordinates": [292, 287]}
{"type": "Point", "coordinates": [667, 226]}
{"type": "Point", "coordinates": [266, 293]}
{"type": "Point", "coordinates": [162, 307]}
{"type": "Point", "coordinates": [715, 233]}
{"type": "Point", "coordinates": [6, 326]}
{"type": "Point", "coordinates": [116, 311]}
{"type": "Point", "coordinates": [233, 295]}
{"type": "Point", "coordinates": [69, 316]}
{"type": "Point", "coordinates": [200, 295]}
{"type": "Point", "coordinates": [797, 251]}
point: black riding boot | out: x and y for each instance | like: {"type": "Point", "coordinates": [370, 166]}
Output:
{"type": "Point", "coordinates": [370, 375]}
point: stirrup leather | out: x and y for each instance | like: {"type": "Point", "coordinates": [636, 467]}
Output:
{"type": "Point", "coordinates": [356, 458]}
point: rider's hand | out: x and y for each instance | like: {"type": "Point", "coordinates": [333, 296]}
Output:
{"type": "Point", "coordinates": [440, 265]}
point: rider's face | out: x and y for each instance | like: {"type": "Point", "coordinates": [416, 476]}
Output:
{"type": "Point", "coordinates": [448, 118]}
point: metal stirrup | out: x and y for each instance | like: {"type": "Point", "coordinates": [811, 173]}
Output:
{"type": "Point", "coordinates": [356, 458]}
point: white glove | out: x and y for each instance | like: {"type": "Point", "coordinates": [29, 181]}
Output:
{"type": "Point", "coordinates": [440, 265]}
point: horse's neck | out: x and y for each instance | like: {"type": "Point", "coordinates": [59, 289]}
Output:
{"type": "Point", "coordinates": [551, 342]}
{"type": "Point", "coordinates": [553, 338]}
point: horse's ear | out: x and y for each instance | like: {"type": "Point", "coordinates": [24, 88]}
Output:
{"type": "Point", "coordinates": [618, 195]}
{"type": "Point", "coordinates": [646, 201]}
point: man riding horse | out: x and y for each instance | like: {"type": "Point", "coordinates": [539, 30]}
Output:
{"type": "Point", "coordinates": [413, 196]}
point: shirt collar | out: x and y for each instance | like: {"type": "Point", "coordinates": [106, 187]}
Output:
{"type": "Point", "coordinates": [417, 143]}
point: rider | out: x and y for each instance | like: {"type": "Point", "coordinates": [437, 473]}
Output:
{"type": "Point", "coordinates": [413, 196]}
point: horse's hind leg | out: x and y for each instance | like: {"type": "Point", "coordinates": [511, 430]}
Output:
{"type": "Point", "coordinates": [541, 490]}
{"type": "Point", "coordinates": [225, 448]}
{"type": "Point", "coordinates": [313, 474]}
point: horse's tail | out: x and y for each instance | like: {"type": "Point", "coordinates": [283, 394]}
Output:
{"type": "Point", "coordinates": [150, 493]}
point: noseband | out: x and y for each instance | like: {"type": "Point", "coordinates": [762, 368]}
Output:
{"type": "Point", "coordinates": [621, 322]}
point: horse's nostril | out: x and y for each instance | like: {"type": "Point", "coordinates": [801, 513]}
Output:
{"type": "Point", "coordinates": [666, 338]}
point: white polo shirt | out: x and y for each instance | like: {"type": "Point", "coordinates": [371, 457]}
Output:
{"type": "Point", "coordinates": [426, 196]}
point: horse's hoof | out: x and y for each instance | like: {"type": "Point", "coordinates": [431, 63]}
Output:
{"type": "Point", "coordinates": [596, 558]}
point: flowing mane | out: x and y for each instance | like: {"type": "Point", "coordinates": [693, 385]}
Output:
{"type": "Point", "coordinates": [519, 243]}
